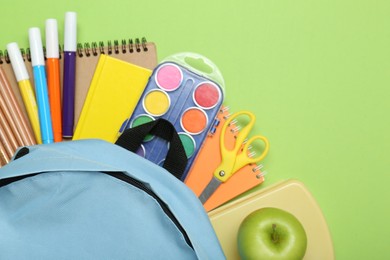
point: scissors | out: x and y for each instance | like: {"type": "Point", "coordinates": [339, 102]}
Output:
{"type": "Point", "coordinates": [235, 158]}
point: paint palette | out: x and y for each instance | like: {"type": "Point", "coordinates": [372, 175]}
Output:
{"type": "Point", "coordinates": [187, 98]}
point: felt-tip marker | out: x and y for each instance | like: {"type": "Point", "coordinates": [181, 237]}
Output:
{"type": "Point", "coordinates": [25, 88]}
{"type": "Point", "coordinates": [70, 47]}
{"type": "Point", "coordinates": [38, 64]}
{"type": "Point", "coordinates": [53, 77]}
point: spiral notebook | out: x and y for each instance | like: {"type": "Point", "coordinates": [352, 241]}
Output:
{"type": "Point", "coordinates": [208, 160]}
{"type": "Point", "coordinates": [136, 51]}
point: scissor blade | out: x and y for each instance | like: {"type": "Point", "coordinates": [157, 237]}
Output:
{"type": "Point", "coordinates": [209, 190]}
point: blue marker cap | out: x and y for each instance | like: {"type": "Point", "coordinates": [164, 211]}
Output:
{"type": "Point", "coordinates": [36, 48]}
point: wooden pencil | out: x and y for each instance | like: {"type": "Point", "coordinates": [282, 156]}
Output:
{"type": "Point", "coordinates": [8, 132]}
{"type": "Point", "coordinates": [18, 117]}
{"type": "Point", "coordinates": [4, 159]}
{"type": "Point", "coordinates": [8, 150]}
{"type": "Point", "coordinates": [12, 121]}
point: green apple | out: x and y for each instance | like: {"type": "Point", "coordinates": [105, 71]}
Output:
{"type": "Point", "coordinates": [271, 233]}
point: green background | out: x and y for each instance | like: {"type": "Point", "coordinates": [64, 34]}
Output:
{"type": "Point", "coordinates": [316, 74]}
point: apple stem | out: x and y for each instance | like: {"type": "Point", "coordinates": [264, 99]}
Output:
{"type": "Point", "coordinates": [274, 236]}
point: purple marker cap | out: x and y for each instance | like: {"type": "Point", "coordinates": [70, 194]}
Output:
{"type": "Point", "coordinates": [70, 34]}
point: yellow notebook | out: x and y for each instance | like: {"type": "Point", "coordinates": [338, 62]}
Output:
{"type": "Point", "coordinates": [115, 90]}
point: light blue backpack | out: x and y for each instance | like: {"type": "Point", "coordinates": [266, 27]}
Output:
{"type": "Point", "coordinates": [91, 199]}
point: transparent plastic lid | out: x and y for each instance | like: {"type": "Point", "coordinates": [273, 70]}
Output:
{"type": "Point", "coordinates": [198, 64]}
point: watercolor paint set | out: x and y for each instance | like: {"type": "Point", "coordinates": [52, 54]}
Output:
{"type": "Point", "coordinates": [186, 96]}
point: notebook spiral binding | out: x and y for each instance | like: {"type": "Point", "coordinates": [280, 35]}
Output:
{"type": "Point", "coordinates": [87, 49]}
